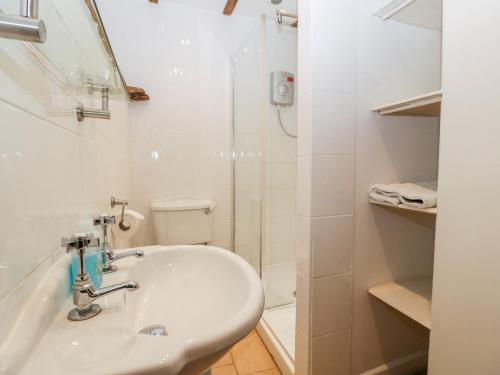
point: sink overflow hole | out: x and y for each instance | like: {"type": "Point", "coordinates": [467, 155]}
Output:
{"type": "Point", "coordinates": [154, 330]}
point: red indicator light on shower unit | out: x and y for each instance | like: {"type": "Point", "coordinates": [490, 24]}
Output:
{"type": "Point", "coordinates": [290, 79]}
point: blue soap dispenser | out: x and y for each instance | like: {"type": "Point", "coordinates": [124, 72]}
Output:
{"type": "Point", "coordinates": [93, 266]}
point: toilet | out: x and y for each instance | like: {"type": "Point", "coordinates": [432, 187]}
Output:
{"type": "Point", "coordinates": [183, 220]}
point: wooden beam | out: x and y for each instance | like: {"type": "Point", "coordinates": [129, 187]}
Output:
{"type": "Point", "coordinates": [229, 8]}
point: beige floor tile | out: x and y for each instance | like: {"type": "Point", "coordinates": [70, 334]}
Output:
{"type": "Point", "coordinates": [224, 361]}
{"type": "Point", "coordinates": [274, 371]}
{"type": "Point", "coordinates": [250, 355]}
{"type": "Point", "coordinates": [224, 370]}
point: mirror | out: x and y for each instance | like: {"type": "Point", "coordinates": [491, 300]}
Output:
{"type": "Point", "coordinates": [77, 47]}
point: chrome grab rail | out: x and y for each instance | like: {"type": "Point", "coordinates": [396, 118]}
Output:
{"type": "Point", "coordinates": [103, 113]}
{"type": "Point", "coordinates": [26, 27]}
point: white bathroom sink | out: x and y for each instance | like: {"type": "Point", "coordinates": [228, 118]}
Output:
{"type": "Point", "coordinates": [207, 299]}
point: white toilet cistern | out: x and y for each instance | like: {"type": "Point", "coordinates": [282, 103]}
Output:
{"type": "Point", "coordinates": [183, 220]}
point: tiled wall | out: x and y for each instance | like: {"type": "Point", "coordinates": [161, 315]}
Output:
{"type": "Point", "coordinates": [55, 172]}
{"type": "Point", "coordinates": [325, 187]}
{"type": "Point", "coordinates": [181, 139]}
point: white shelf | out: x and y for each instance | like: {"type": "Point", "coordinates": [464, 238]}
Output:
{"type": "Point", "coordinates": [411, 297]}
{"type": "Point", "coordinates": [428, 211]}
{"type": "Point", "coordinates": [423, 13]}
{"type": "Point", "coordinates": [422, 105]}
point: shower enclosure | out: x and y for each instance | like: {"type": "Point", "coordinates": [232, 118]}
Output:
{"type": "Point", "coordinates": [265, 153]}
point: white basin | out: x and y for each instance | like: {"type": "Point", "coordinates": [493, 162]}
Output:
{"type": "Point", "coordinates": [207, 298]}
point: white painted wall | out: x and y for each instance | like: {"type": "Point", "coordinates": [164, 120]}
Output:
{"type": "Point", "coordinates": [56, 173]}
{"type": "Point", "coordinates": [394, 61]}
{"type": "Point", "coordinates": [181, 139]}
{"type": "Point", "coordinates": [465, 333]}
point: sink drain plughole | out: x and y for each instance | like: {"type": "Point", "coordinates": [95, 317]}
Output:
{"type": "Point", "coordinates": [154, 330]}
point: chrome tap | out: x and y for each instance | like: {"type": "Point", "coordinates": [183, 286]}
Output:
{"type": "Point", "coordinates": [109, 255]}
{"type": "Point", "coordinates": [84, 290]}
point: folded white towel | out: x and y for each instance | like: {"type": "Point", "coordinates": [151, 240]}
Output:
{"type": "Point", "coordinates": [419, 195]}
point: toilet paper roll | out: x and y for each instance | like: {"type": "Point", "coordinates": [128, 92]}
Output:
{"type": "Point", "coordinates": [132, 218]}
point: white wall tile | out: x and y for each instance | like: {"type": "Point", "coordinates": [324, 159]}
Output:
{"type": "Point", "coordinates": [305, 118]}
{"type": "Point", "coordinates": [282, 252]}
{"type": "Point", "coordinates": [279, 227]}
{"type": "Point", "coordinates": [282, 175]}
{"type": "Point", "coordinates": [56, 173]}
{"type": "Point", "coordinates": [303, 245]}
{"type": "Point", "coordinates": [222, 234]}
{"type": "Point", "coordinates": [189, 116]}
{"type": "Point", "coordinates": [302, 353]}
{"type": "Point", "coordinates": [333, 123]}
{"type": "Point", "coordinates": [303, 305]}
{"type": "Point", "coordinates": [305, 49]}
{"type": "Point", "coordinates": [334, 45]}
{"type": "Point", "coordinates": [331, 304]}
{"type": "Point", "coordinates": [34, 192]}
{"type": "Point", "coordinates": [331, 354]}
{"type": "Point", "coordinates": [332, 245]}
{"type": "Point", "coordinates": [325, 188]}
{"type": "Point", "coordinates": [282, 202]}
{"type": "Point", "coordinates": [304, 185]}
{"type": "Point", "coordinates": [333, 184]}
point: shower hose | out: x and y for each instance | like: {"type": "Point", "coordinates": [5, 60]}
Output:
{"type": "Point", "coordinates": [278, 111]}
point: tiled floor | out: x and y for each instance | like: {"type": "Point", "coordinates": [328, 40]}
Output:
{"type": "Point", "coordinates": [248, 357]}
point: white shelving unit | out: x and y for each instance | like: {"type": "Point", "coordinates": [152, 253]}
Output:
{"type": "Point", "coordinates": [423, 13]}
{"type": "Point", "coordinates": [411, 297]}
{"type": "Point", "coordinates": [428, 211]}
{"type": "Point", "coordinates": [422, 105]}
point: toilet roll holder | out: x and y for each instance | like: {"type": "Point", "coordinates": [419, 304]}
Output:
{"type": "Point", "coordinates": [124, 203]}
